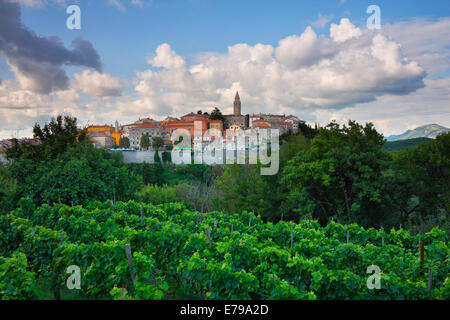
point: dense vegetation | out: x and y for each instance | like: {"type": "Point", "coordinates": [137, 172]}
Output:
{"type": "Point", "coordinates": [404, 144]}
{"type": "Point", "coordinates": [244, 259]}
{"type": "Point", "coordinates": [331, 180]}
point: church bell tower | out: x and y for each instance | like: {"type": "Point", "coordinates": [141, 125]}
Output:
{"type": "Point", "coordinates": [237, 105]}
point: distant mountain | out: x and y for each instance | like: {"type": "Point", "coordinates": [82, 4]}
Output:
{"type": "Point", "coordinates": [404, 144]}
{"type": "Point", "coordinates": [428, 131]}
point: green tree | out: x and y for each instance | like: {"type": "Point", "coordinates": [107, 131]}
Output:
{"type": "Point", "coordinates": [156, 157]}
{"type": "Point", "coordinates": [216, 114]}
{"type": "Point", "coordinates": [342, 175]}
{"type": "Point", "coordinates": [166, 157]}
{"type": "Point", "coordinates": [145, 142]}
{"type": "Point", "coordinates": [53, 139]}
{"type": "Point", "coordinates": [157, 143]}
{"type": "Point", "coordinates": [76, 176]}
{"type": "Point", "coordinates": [124, 142]}
{"type": "Point", "coordinates": [242, 187]}
{"type": "Point", "coordinates": [8, 190]}
{"type": "Point", "coordinates": [421, 180]}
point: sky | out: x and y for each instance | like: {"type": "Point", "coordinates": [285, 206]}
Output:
{"type": "Point", "coordinates": [132, 59]}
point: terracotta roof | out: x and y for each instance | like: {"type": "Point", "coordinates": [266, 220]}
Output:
{"type": "Point", "coordinates": [144, 126]}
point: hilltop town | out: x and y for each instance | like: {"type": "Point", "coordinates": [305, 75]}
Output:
{"type": "Point", "coordinates": [129, 136]}
{"type": "Point", "coordinates": [109, 136]}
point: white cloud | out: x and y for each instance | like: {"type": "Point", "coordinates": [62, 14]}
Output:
{"type": "Point", "coordinates": [353, 74]}
{"type": "Point", "coordinates": [98, 84]}
{"type": "Point", "coordinates": [302, 73]}
{"type": "Point", "coordinates": [322, 21]}
{"type": "Point", "coordinates": [423, 40]}
{"type": "Point", "coordinates": [344, 31]}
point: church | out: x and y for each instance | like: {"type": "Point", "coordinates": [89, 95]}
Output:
{"type": "Point", "coordinates": [236, 120]}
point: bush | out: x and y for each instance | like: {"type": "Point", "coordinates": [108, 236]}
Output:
{"type": "Point", "coordinates": [16, 283]}
{"type": "Point", "coordinates": [158, 195]}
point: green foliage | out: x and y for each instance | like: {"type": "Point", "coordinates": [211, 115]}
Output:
{"type": "Point", "coordinates": [342, 176]}
{"type": "Point", "coordinates": [216, 114]}
{"type": "Point", "coordinates": [404, 144]}
{"type": "Point", "coordinates": [53, 139]}
{"type": "Point", "coordinates": [75, 176]}
{"type": "Point", "coordinates": [158, 195]}
{"type": "Point", "coordinates": [124, 142]}
{"type": "Point", "coordinates": [8, 190]}
{"type": "Point", "coordinates": [144, 142]}
{"type": "Point", "coordinates": [422, 177]}
{"type": "Point", "coordinates": [16, 282]}
{"type": "Point", "coordinates": [242, 187]}
{"type": "Point", "coordinates": [157, 143]}
{"type": "Point", "coordinates": [156, 157]}
{"type": "Point", "coordinates": [167, 157]}
{"type": "Point", "coordinates": [255, 261]}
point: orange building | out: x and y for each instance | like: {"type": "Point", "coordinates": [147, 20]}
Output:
{"type": "Point", "coordinates": [105, 130]}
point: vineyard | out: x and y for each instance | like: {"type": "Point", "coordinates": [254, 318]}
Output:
{"type": "Point", "coordinates": [180, 254]}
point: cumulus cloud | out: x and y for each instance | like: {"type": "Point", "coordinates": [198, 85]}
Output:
{"type": "Point", "coordinates": [344, 31]}
{"type": "Point", "coordinates": [422, 40]}
{"type": "Point", "coordinates": [38, 61]}
{"type": "Point", "coordinates": [353, 73]}
{"type": "Point", "coordinates": [98, 84]}
{"type": "Point", "coordinates": [304, 72]}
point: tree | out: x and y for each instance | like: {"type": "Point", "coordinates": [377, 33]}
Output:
{"type": "Point", "coordinates": [8, 190]}
{"type": "Point", "coordinates": [216, 114]}
{"type": "Point", "coordinates": [166, 157]}
{"type": "Point", "coordinates": [421, 182]}
{"type": "Point", "coordinates": [145, 142]}
{"type": "Point", "coordinates": [124, 142]}
{"type": "Point", "coordinates": [157, 143]}
{"type": "Point", "coordinates": [242, 187]}
{"type": "Point", "coordinates": [53, 139]}
{"type": "Point", "coordinates": [342, 175]}
{"type": "Point", "coordinates": [80, 174]}
{"type": "Point", "coordinates": [156, 157]}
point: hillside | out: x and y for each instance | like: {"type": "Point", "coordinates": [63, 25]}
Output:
{"type": "Point", "coordinates": [428, 131]}
{"type": "Point", "coordinates": [404, 144]}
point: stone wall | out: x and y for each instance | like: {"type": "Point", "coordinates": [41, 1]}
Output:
{"type": "Point", "coordinates": [3, 158]}
{"type": "Point", "coordinates": [139, 156]}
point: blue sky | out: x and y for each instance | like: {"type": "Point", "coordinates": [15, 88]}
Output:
{"type": "Point", "coordinates": [125, 36]}
{"type": "Point", "coordinates": [193, 26]}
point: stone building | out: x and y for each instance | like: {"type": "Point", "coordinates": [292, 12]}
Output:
{"type": "Point", "coordinates": [236, 119]}
{"type": "Point", "coordinates": [149, 129]}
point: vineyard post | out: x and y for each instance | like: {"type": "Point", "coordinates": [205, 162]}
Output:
{"type": "Point", "coordinates": [142, 214]}
{"type": "Point", "coordinates": [382, 236]}
{"type": "Point", "coordinates": [422, 247]}
{"type": "Point", "coordinates": [196, 221]}
{"type": "Point", "coordinates": [292, 235]}
{"type": "Point", "coordinates": [309, 222]}
{"type": "Point", "coordinates": [124, 291]}
{"type": "Point", "coordinates": [207, 236]}
{"type": "Point", "coordinates": [215, 224]}
{"type": "Point", "coordinates": [348, 236]}
{"type": "Point", "coordinates": [430, 276]}
{"type": "Point", "coordinates": [111, 205]}
{"type": "Point", "coordinates": [130, 259]}
{"type": "Point", "coordinates": [62, 236]}
{"type": "Point", "coordinates": [250, 220]}
{"type": "Point", "coordinates": [231, 229]}
{"type": "Point", "coordinates": [171, 228]}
